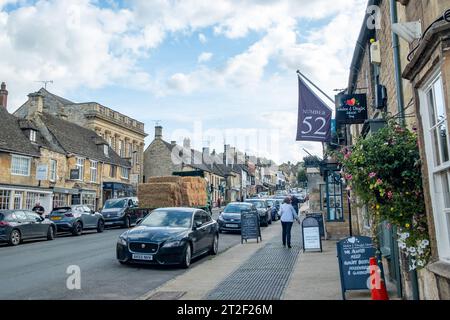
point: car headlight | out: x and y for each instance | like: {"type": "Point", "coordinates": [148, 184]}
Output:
{"type": "Point", "coordinates": [122, 241]}
{"type": "Point", "coordinates": [172, 243]}
{"type": "Point", "coordinates": [221, 217]}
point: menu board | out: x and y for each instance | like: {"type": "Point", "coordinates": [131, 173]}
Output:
{"type": "Point", "coordinates": [250, 228]}
{"type": "Point", "coordinates": [354, 255]}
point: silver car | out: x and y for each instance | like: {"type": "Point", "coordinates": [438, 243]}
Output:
{"type": "Point", "coordinates": [77, 218]}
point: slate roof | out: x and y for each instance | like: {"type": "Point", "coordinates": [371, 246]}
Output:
{"type": "Point", "coordinates": [12, 138]}
{"type": "Point", "coordinates": [81, 141]}
{"type": "Point", "coordinates": [51, 96]}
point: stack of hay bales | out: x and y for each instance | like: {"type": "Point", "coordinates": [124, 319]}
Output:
{"type": "Point", "coordinates": [193, 192]}
{"type": "Point", "coordinates": [173, 191]}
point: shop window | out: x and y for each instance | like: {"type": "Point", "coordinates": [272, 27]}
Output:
{"type": "Point", "coordinates": [60, 200]}
{"type": "Point", "coordinates": [18, 200]}
{"type": "Point", "coordinates": [31, 199]}
{"type": "Point", "coordinates": [89, 200]}
{"type": "Point", "coordinates": [334, 197]}
{"type": "Point", "coordinates": [20, 166]}
{"type": "Point", "coordinates": [5, 198]}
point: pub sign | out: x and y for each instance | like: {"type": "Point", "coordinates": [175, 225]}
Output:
{"type": "Point", "coordinates": [351, 108]}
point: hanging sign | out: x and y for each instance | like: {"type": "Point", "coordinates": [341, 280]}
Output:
{"type": "Point", "coordinates": [42, 172]}
{"type": "Point", "coordinates": [351, 108]}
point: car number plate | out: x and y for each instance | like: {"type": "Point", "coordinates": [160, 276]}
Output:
{"type": "Point", "coordinates": [231, 225]}
{"type": "Point", "coordinates": [55, 218]}
{"type": "Point", "coordinates": [147, 257]}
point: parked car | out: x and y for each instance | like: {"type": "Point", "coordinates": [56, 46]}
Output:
{"type": "Point", "coordinates": [19, 225]}
{"type": "Point", "coordinates": [230, 218]}
{"type": "Point", "coordinates": [77, 218]}
{"type": "Point", "coordinates": [263, 209]}
{"type": "Point", "coordinates": [169, 236]}
{"type": "Point", "coordinates": [121, 212]}
{"type": "Point", "coordinates": [275, 205]}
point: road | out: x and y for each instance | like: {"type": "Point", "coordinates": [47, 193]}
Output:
{"type": "Point", "coordinates": [37, 270]}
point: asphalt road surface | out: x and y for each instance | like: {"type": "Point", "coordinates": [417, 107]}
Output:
{"type": "Point", "coordinates": [38, 269]}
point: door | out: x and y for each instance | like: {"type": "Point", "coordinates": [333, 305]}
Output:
{"type": "Point", "coordinates": [89, 218]}
{"type": "Point", "coordinates": [200, 233]}
{"type": "Point", "coordinates": [39, 228]}
{"type": "Point", "coordinates": [210, 230]}
{"type": "Point", "coordinates": [24, 224]}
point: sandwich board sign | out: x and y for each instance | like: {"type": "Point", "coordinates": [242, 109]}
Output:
{"type": "Point", "coordinates": [354, 255]}
{"type": "Point", "coordinates": [312, 240]}
{"type": "Point", "coordinates": [250, 228]}
{"type": "Point", "coordinates": [319, 218]}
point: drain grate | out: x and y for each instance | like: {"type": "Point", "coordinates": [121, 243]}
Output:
{"type": "Point", "coordinates": [263, 276]}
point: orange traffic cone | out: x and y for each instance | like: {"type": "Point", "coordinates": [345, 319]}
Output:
{"type": "Point", "coordinates": [377, 285]}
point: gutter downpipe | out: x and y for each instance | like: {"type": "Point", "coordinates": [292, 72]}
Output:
{"type": "Point", "coordinates": [401, 112]}
{"type": "Point", "coordinates": [397, 64]}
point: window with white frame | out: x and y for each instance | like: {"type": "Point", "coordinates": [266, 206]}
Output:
{"type": "Point", "coordinates": [32, 135]}
{"type": "Point", "coordinates": [53, 166]}
{"type": "Point", "coordinates": [5, 198]}
{"type": "Point", "coordinates": [18, 200]}
{"type": "Point", "coordinates": [80, 167]}
{"type": "Point", "coordinates": [20, 166]}
{"type": "Point", "coordinates": [106, 150]}
{"type": "Point", "coordinates": [94, 171]}
{"type": "Point", "coordinates": [31, 199]}
{"type": "Point", "coordinates": [89, 199]}
{"type": "Point", "coordinates": [60, 200]}
{"type": "Point", "coordinates": [125, 173]}
{"type": "Point", "coordinates": [435, 127]}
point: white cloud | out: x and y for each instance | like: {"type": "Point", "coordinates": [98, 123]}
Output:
{"type": "Point", "coordinates": [202, 38]}
{"type": "Point", "coordinates": [204, 57]}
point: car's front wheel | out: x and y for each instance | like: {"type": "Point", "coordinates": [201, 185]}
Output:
{"type": "Point", "coordinates": [127, 222]}
{"type": "Point", "coordinates": [187, 256]}
{"type": "Point", "coordinates": [215, 246]}
{"type": "Point", "coordinates": [15, 238]}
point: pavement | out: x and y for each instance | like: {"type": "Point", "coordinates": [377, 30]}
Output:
{"type": "Point", "coordinates": [263, 271]}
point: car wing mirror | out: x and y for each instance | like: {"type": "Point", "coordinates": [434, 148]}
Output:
{"type": "Point", "coordinates": [197, 224]}
{"type": "Point", "coordinates": [138, 221]}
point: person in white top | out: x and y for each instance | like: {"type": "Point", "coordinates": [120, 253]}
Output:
{"type": "Point", "coordinates": [288, 215]}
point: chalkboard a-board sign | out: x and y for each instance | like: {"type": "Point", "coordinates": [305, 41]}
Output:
{"type": "Point", "coordinates": [319, 218]}
{"type": "Point", "coordinates": [250, 228]}
{"type": "Point", "coordinates": [354, 255]}
{"type": "Point", "coordinates": [311, 234]}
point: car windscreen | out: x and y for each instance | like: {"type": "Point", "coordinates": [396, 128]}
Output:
{"type": "Point", "coordinates": [258, 204]}
{"type": "Point", "coordinates": [270, 202]}
{"type": "Point", "coordinates": [168, 219]}
{"type": "Point", "coordinates": [236, 208]}
{"type": "Point", "coordinates": [115, 204]}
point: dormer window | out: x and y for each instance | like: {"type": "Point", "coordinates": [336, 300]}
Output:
{"type": "Point", "coordinates": [106, 150]}
{"type": "Point", "coordinates": [33, 135]}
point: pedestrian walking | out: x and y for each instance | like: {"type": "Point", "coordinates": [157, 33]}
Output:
{"type": "Point", "coordinates": [288, 215]}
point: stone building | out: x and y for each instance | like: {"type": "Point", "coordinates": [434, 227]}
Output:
{"type": "Point", "coordinates": [46, 159]}
{"type": "Point", "coordinates": [124, 134]}
{"type": "Point", "coordinates": [406, 90]}
{"type": "Point", "coordinates": [163, 159]}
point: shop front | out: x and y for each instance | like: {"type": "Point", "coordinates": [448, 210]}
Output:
{"type": "Point", "coordinates": [19, 197]}
{"type": "Point", "coordinates": [113, 190]}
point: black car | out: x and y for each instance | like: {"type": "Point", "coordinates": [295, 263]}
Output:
{"type": "Point", "coordinates": [264, 210]}
{"type": "Point", "coordinates": [230, 218]}
{"type": "Point", "coordinates": [121, 212]}
{"type": "Point", "coordinates": [169, 236]}
{"type": "Point", "coordinates": [19, 225]}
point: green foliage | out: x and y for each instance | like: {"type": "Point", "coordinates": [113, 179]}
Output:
{"type": "Point", "coordinates": [384, 170]}
{"type": "Point", "coordinates": [301, 176]}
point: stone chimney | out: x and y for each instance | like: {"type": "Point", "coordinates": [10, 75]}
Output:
{"type": "Point", "coordinates": [3, 96]}
{"type": "Point", "coordinates": [36, 104]}
{"type": "Point", "coordinates": [158, 132]}
{"type": "Point", "coordinates": [187, 143]}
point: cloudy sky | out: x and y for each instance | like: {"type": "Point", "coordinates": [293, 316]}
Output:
{"type": "Point", "coordinates": [216, 71]}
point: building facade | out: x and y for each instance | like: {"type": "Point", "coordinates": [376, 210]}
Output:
{"type": "Point", "coordinates": [123, 134]}
{"type": "Point", "coordinates": [46, 159]}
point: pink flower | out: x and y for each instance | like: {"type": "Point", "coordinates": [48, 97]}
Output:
{"type": "Point", "coordinates": [347, 155]}
{"type": "Point", "coordinates": [348, 177]}
{"type": "Point", "coordinates": [390, 195]}
{"type": "Point", "coordinates": [372, 175]}
{"type": "Point", "coordinates": [379, 181]}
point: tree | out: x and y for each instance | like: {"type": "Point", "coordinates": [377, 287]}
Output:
{"type": "Point", "coordinates": [301, 176]}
